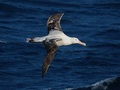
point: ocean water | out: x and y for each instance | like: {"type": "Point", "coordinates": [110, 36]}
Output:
{"type": "Point", "coordinates": [95, 22]}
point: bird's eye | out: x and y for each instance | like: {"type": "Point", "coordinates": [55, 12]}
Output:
{"type": "Point", "coordinates": [76, 39]}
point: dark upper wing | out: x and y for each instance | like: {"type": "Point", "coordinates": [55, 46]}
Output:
{"type": "Point", "coordinates": [51, 48]}
{"type": "Point", "coordinates": [53, 22]}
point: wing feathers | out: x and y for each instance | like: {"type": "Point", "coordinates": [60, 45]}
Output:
{"type": "Point", "coordinates": [51, 48]}
{"type": "Point", "coordinates": [46, 63]}
{"type": "Point", "coordinates": [53, 22]}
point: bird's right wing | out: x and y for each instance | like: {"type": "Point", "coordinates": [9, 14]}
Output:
{"type": "Point", "coordinates": [51, 48]}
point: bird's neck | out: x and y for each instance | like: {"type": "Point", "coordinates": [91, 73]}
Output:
{"type": "Point", "coordinates": [68, 41]}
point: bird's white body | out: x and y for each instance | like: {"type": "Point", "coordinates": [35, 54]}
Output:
{"type": "Point", "coordinates": [65, 40]}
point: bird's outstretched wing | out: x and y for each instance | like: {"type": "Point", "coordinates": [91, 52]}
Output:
{"type": "Point", "coordinates": [51, 48]}
{"type": "Point", "coordinates": [53, 22]}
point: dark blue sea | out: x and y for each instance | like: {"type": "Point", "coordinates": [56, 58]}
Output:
{"type": "Point", "coordinates": [95, 22]}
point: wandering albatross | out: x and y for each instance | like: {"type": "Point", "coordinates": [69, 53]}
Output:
{"type": "Point", "coordinates": [53, 40]}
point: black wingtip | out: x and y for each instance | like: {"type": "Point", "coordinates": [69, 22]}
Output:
{"type": "Point", "coordinates": [43, 75]}
{"type": "Point", "coordinates": [61, 13]}
{"type": "Point", "coordinates": [43, 72]}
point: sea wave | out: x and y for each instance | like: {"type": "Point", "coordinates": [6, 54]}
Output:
{"type": "Point", "coordinates": [1, 41]}
{"type": "Point", "coordinates": [107, 84]}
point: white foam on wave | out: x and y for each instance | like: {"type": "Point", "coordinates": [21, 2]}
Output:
{"type": "Point", "coordinates": [1, 41]}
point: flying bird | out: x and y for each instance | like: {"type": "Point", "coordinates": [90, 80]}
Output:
{"type": "Point", "coordinates": [53, 40]}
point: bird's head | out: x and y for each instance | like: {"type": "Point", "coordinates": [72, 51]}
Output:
{"type": "Point", "coordinates": [77, 41]}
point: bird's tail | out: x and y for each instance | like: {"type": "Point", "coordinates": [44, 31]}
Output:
{"type": "Point", "coordinates": [29, 40]}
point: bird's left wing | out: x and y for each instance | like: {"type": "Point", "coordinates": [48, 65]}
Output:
{"type": "Point", "coordinates": [53, 22]}
{"type": "Point", "coordinates": [51, 48]}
